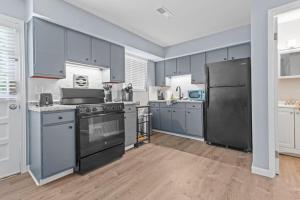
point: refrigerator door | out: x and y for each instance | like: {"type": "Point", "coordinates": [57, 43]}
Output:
{"type": "Point", "coordinates": [229, 73]}
{"type": "Point", "coordinates": [228, 117]}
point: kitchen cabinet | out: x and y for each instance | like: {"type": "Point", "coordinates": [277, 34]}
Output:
{"type": "Point", "coordinates": [46, 49]}
{"type": "Point", "coordinates": [100, 52]}
{"type": "Point", "coordinates": [194, 122]}
{"type": "Point", "coordinates": [297, 130]}
{"type": "Point", "coordinates": [184, 65]}
{"type": "Point", "coordinates": [117, 63]}
{"type": "Point", "coordinates": [155, 118]}
{"type": "Point", "coordinates": [178, 120]}
{"type": "Point", "coordinates": [239, 51]}
{"type": "Point", "coordinates": [216, 55]}
{"type": "Point", "coordinates": [166, 119]}
{"type": "Point", "coordinates": [171, 67]}
{"type": "Point", "coordinates": [79, 47]}
{"type": "Point", "coordinates": [286, 126]}
{"type": "Point", "coordinates": [52, 144]}
{"type": "Point", "coordinates": [160, 73]}
{"type": "Point", "coordinates": [198, 68]}
{"type": "Point", "coordinates": [130, 127]}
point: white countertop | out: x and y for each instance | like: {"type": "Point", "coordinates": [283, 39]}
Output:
{"type": "Point", "coordinates": [55, 107]}
{"type": "Point", "coordinates": [283, 104]}
{"type": "Point", "coordinates": [178, 101]}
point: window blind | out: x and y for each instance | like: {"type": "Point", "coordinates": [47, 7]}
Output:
{"type": "Point", "coordinates": [136, 72]}
{"type": "Point", "coordinates": [8, 61]}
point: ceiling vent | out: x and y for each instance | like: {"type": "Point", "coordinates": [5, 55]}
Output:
{"type": "Point", "coordinates": [165, 12]}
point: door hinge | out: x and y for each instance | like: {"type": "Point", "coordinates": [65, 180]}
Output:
{"type": "Point", "coordinates": [276, 154]}
{"type": "Point", "coordinates": [276, 36]}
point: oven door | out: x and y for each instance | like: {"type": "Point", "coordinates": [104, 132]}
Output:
{"type": "Point", "coordinates": [100, 131]}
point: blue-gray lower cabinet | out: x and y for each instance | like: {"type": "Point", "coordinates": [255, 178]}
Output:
{"type": "Point", "coordinates": [52, 145]}
{"type": "Point", "coordinates": [155, 118]}
{"type": "Point", "coordinates": [166, 119]}
{"type": "Point", "coordinates": [178, 121]}
{"type": "Point", "coordinates": [194, 122]}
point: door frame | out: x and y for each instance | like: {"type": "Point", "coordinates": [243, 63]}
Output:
{"type": "Point", "coordinates": [273, 85]}
{"type": "Point", "coordinates": [22, 90]}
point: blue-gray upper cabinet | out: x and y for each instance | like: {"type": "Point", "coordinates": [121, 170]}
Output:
{"type": "Point", "coordinates": [46, 49]}
{"type": "Point", "coordinates": [178, 120]}
{"type": "Point", "coordinates": [166, 119]}
{"type": "Point", "coordinates": [160, 73]}
{"type": "Point", "coordinates": [198, 68]}
{"type": "Point", "coordinates": [79, 47]}
{"type": "Point", "coordinates": [170, 67]}
{"type": "Point", "coordinates": [239, 51]}
{"type": "Point", "coordinates": [117, 63]}
{"type": "Point", "coordinates": [100, 53]}
{"type": "Point", "coordinates": [194, 122]}
{"type": "Point", "coordinates": [184, 65]}
{"type": "Point", "coordinates": [216, 55]}
{"type": "Point", "coordinates": [58, 147]}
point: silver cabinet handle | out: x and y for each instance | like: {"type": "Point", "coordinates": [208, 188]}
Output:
{"type": "Point", "coordinates": [13, 106]}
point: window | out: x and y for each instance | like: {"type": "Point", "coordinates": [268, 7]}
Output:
{"type": "Point", "coordinates": [8, 61]}
{"type": "Point", "coordinates": [135, 72]}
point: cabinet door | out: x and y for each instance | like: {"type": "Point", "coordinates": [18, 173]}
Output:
{"type": "Point", "coordinates": [100, 53]}
{"type": "Point", "coordinates": [165, 118]}
{"type": "Point", "coordinates": [198, 68]}
{"type": "Point", "coordinates": [297, 130]}
{"type": "Point", "coordinates": [58, 147]}
{"type": "Point", "coordinates": [79, 47]}
{"type": "Point", "coordinates": [178, 121]}
{"type": "Point", "coordinates": [239, 51]}
{"type": "Point", "coordinates": [130, 128]}
{"type": "Point", "coordinates": [170, 67]}
{"type": "Point", "coordinates": [155, 118]}
{"type": "Point", "coordinates": [286, 124]}
{"type": "Point", "coordinates": [160, 74]}
{"type": "Point", "coordinates": [184, 65]}
{"type": "Point", "coordinates": [117, 63]}
{"type": "Point", "coordinates": [194, 122]}
{"type": "Point", "coordinates": [216, 55]}
{"type": "Point", "coordinates": [49, 49]}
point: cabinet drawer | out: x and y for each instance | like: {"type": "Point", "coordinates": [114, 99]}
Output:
{"type": "Point", "coordinates": [194, 106]}
{"type": "Point", "coordinates": [154, 105]}
{"type": "Point", "coordinates": [178, 105]}
{"type": "Point", "coordinates": [164, 105]}
{"type": "Point", "coordinates": [130, 108]}
{"type": "Point", "coordinates": [58, 117]}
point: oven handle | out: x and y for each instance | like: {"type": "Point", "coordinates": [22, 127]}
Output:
{"type": "Point", "coordinates": [102, 114]}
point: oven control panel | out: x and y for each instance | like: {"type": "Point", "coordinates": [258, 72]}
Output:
{"type": "Point", "coordinates": [105, 107]}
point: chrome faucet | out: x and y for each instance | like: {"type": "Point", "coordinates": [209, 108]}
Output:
{"type": "Point", "coordinates": [178, 89]}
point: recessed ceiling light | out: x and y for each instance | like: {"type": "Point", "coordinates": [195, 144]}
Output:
{"type": "Point", "coordinates": [165, 12]}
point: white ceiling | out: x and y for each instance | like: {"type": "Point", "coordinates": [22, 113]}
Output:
{"type": "Point", "coordinates": [192, 18]}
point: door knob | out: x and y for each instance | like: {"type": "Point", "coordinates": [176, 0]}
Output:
{"type": "Point", "coordinates": [13, 106]}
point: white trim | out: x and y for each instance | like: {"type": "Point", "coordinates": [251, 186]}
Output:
{"type": "Point", "coordinates": [51, 178]}
{"type": "Point", "coordinates": [262, 172]}
{"type": "Point", "coordinates": [129, 147]}
{"type": "Point", "coordinates": [179, 135]}
{"type": "Point", "coordinates": [289, 151]}
{"type": "Point", "coordinates": [272, 88]}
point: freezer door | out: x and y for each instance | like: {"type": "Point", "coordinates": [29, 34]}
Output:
{"type": "Point", "coordinates": [229, 117]}
{"type": "Point", "coordinates": [229, 73]}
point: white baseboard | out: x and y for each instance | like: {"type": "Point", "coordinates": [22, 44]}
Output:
{"type": "Point", "coordinates": [289, 151]}
{"type": "Point", "coordinates": [51, 178]}
{"type": "Point", "coordinates": [129, 147]}
{"type": "Point", "coordinates": [262, 172]}
{"type": "Point", "coordinates": [179, 135]}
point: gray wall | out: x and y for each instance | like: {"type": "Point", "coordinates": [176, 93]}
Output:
{"type": "Point", "coordinates": [223, 39]}
{"type": "Point", "coordinates": [13, 8]}
{"type": "Point", "coordinates": [259, 53]}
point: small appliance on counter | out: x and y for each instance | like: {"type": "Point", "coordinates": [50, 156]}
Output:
{"type": "Point", "coordinates": [46, 99]}
{"type": "Point", "coordinates": [107, 92]}
{"type": "Point", "coordinates": [196, 95]}
{"type": "Point", "coordinates": [160, 95]}
{"type": "Point", "coordinates": [127, 93]}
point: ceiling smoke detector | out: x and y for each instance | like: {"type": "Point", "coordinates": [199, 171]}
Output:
{"type": "Point", "coordinates": [165, 12]}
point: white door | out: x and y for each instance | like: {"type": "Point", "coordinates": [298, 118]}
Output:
{"type": "Point", "coordinates": [286, 138]}
{"type": "Point", "coordinates": [297, 129]}
{"type": "Point", "coordinates": [10, 114]}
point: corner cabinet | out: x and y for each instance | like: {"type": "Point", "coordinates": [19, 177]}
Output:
{"type": "Point", "coordinates": [171, 67]}
{"type": "Point", "coordinates": [46, 49]}
{"type": "Point", "coordinates": [184, 65]}
{"type": "Point", "coordinates": [160, 73]}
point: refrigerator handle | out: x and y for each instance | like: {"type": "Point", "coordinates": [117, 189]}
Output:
{"type": "Point", "coordinates": [207, 87]}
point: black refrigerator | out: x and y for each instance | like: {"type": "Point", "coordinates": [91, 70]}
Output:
{"type": "Point", "coordinates": [228, 104]}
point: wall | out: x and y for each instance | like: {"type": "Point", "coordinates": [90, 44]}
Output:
{"type": "Point", "coordinates": [288, 89]}
{"type": "Point", "coordinates": [70, 16]}
{"type": "Point", "coordinates": [215, 41]}
{"type": "Point", "coordinates": [259, 54]}
{"type": "Point", "coordinates": [13, 8]}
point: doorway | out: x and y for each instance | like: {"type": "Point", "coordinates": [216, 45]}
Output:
{"type": "Point", "coordinates": [283, 85]}
{"type": "Point", "coordinates": [12, 101]}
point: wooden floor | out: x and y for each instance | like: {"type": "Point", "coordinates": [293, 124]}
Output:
{"type": "Point", "coordinates": [168, 168]}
